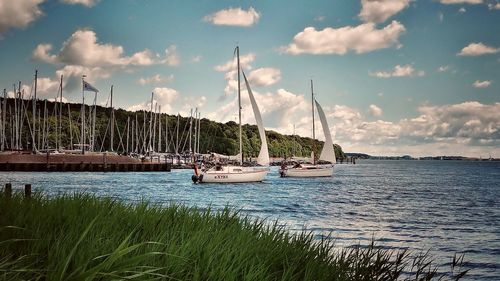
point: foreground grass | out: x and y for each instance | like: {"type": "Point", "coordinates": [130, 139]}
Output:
{"type": "Point", "coordinates": [82, 237]}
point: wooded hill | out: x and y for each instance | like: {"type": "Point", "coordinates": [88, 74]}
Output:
{"type": "Point", "coordinates": [214, 137]}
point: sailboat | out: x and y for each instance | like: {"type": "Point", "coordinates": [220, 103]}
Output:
{"type": "Point", "coordinates": [239, 173]}
{"type": "Point", "coordinates": [324, 166]}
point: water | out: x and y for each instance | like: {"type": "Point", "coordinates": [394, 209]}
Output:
{"type": "Point", "coordinates": [446, 207]}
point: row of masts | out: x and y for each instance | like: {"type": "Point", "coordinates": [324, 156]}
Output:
{"type": "Point", "coordinates": [44, 130]}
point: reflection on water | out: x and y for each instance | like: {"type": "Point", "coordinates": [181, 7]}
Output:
{"type": "Point", "coordinates": [445, 206]}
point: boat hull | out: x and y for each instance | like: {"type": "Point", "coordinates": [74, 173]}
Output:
{"type": "Point", "coordinates": [234, 175]}
{"type": "Point", "coordinates": [308, 171]}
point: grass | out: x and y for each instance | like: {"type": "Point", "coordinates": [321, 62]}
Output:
{"type": "Point", "coordinates": [82, 237]}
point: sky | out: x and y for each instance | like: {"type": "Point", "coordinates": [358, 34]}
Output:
{"type": "Point", "coordinates": [394, 77]}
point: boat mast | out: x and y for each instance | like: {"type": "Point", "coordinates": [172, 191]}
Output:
{"type": "Point", "coordinates": [239, 103]}
{"type": "Point", "coordinates": [199, 132]}
{"type": "Point", "coordinates": [150, 124]}
{"type": "Point", "coordinates": [177, 136]}
{"type": "Point", "coordinates": [314, 131]}
{"type": "Point", "coordinates": [166, 133]}
{"type": "Point", "coordinates": [112, 119]}
{"type": "Point", "coordinates": [4, 108]}
{"type": "Point", "coordinates": [82, 140]}
{"type": "Point", "coordinates": [159, 128]}
{"type": "Point", "coordinates": [190, 130]}
{"type": "Point", "coordinates": [70, 129]}
{"type": "Point", "coordinates": [60, 111]}
{"type": "Point", "coordinates": [128, 133]}
{"type": "Point", "coordinates": [33, 145]}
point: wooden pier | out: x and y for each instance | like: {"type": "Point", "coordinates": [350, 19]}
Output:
{"type": "Point", "coordinates": [85, 167]}
{"type": "Point", "coordinates": [78, 163]}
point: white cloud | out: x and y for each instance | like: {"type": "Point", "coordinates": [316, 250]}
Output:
{"type": "Point", "coordinates": [448, 2]}
{"type": "Point", "coordinates": [319, 18]}
{"type": "Point", "coordinates": [164, 97]}
{"type": "Point", "coordinates": [495, 6]}
{"type": "Point", "coordinates": [245, 61]}
{"type": "Point", "coordinates": [279, 109]}
{"type": "Point", "coordinates": [462, 10]}
{"type": "Point", "coordinates": [230, 68]}
{"type": "Point", "coordinates": [41, 53]}
{"type": "Point", "coordinates": [481, 84]}
{"type": "Point", "coordinates": [155, 79]}
{"type": "Point", "coordinates": [458, 128]}
{"type": "Point", "coordinates": [477, 49]}
{"type": "Point", "coordinates": [18, 13]}
{"type": "Point", "coordinates": [196, 59]}
{"type": "Point", "coordinates": [398, 71]}
{"type": "Point", "coordinates": [443, 68]}
{"type": "Point", "coordinates": [264, 76]}
{"type": "Point", "coordinates": [375, 110]}
{"type": "Point", "coordinates": [363, 38]}
{"type": "Point", "coordinates": [172, 56]}
{"type": "Point", "coordinates": [380, 10]}
{"type": "Point", "coordinates": [234, 17]}
{"type": "Point", "coordinates": [87, 3]}
{"type": "Point", "coordinates": [83, 49]}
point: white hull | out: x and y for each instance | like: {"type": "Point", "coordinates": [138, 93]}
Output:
{"type": "Point", "coordinates": [234, 174]}
{"type": "Point", "coordinates": [308, 171]}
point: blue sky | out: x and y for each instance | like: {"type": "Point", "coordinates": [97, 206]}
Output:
{"type": "Point", "coordinates": [394, 76]}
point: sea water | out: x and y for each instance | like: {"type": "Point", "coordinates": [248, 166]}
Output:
{"type": "Point", "coordinates": [445, 207]}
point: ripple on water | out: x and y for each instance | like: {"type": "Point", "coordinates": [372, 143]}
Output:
{"type": "Point", "coordinates": [446, 206]}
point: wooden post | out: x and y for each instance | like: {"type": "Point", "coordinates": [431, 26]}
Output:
{"type": "Point", "coordinates": [8, 190]}
{"type": "Point", "coordinates": [27, 191]}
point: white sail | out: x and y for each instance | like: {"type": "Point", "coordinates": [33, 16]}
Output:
{"type": "Point", "coordinates": [263, 158]}
{"type": "Point", "coordinates": [328, 153]}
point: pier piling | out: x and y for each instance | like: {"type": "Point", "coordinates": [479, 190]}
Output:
{"type": "Point", "coordinates": [8, 190]}
{"type": "Point", "coordinates": [27, 191]}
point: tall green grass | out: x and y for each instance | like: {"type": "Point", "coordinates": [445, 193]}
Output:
{"type": "Point", "coordinates": [82, 237]}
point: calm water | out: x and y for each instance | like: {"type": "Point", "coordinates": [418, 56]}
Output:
{"type": "Point", "coordinates": [446, 207]}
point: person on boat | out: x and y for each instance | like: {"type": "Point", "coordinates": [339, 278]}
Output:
{"type": "Point", "coordinates": [218, 167]}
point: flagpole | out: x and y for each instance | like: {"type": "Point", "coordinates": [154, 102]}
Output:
{"type": "Point", "coordinates": [83, 115]}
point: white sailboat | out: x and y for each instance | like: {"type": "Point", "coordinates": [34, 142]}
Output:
{"type": "Point", "coordinates": [233, 173]}
{"type": "Point", "coordinates": [327, 157]}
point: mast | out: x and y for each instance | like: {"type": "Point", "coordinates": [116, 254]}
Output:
{"type": "Point", "coordinates": [44, 135]}
{"type": "Point", "coordinates": [159, 128]}
{"type": "Point", "coordinates": [177, 137]}
{"type": "Point", "coordinates": [166, 133]}
{"type": "Point", "coordinates": [195, 130]}
{"type": "Point", "coordinates": [60, 111]}
{"type": "Point", "coordinates": [33, 145]}
{"type": "Point", "coordinates": [314, 131]}
{"type": "Point", "coordinates": [15, 119]}
{"type": "Point", "coordinates": [70, 129]}
{"type": "Point", "coordinates": [93, 120]}
{"type": "Point", "coordinates": [199, 126]}
{"type": "Point", "coordinates": [112, 120]}
{"type": "Point", "coordinates": [128, 132]}
{"type": "Point", "coordinates": [239, 103]}
{"type": "Point", "coordinates": [153, 144]}
{"type": "Point", "coordinates": [82, 140]}
{"type": "Point", "coordinates": [190, 130]}
{"type": "Point", "coordinates": [132, 137]}
{"type": "Point", "coordinates": [150, 123]}
{"type": "Point", "coordinates": [136, 148]}
{"type": "Point", "coordinates": [4, 104]}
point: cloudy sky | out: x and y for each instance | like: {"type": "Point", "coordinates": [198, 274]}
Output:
{"type": "Point", "coordinates": [419, 77]}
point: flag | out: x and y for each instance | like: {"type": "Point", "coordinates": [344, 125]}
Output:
{"type": "Point", "coordinates": [88, 87]}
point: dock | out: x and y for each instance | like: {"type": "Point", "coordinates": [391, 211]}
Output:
{"type": "Point", "coordinates": [78, 163]}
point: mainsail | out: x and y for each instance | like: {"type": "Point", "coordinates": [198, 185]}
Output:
{"type": "Point", "coordinates": [328, 153]}
{"type": "Point", "coordinates": [263, 158]}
